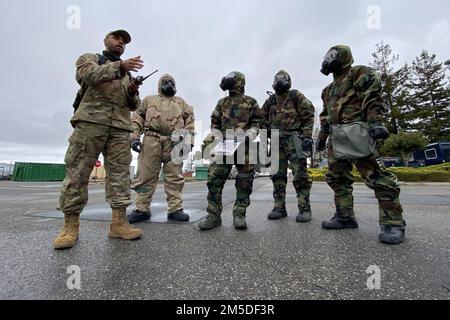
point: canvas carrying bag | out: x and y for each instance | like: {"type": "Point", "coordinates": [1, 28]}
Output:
{"type": "Point", "coordinates": [352, 141]}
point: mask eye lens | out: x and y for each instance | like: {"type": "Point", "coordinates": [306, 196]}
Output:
{"type": "Point", "coordinates": [331, 55]}
{"type": "Point", "coordinates": [281, 78]}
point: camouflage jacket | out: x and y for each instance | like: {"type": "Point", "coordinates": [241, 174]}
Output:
{"type": "Point", "coordinates": [106, 100]}
{"type": "Point", "coordinates": [237, 112]}
{"type": "Point", "coordinates": [163, 115]}
{"type": "Point", "coordinates": [355, 97]}
{"type": "Point", "coordinates": [289, 112]}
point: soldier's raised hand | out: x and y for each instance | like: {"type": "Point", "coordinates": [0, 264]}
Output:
{"type": "Point", "coordinates": [378, 131]}
{"type": "Point", "coordinates": [132, 64]}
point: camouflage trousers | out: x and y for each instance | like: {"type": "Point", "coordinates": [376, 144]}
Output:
{"type": "Point", "coordinates": [302, 181]}
{"type": "Point", "coordinates": [85, 145]}
{"type": "Point", "coordinates": [156, 151]}
{"type": "Point", "coordinates": [217, 177]}
{"type": "Point", "coordinates": [384, 183]}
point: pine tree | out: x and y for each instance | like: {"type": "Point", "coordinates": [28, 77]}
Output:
{"type": "Point", "coordinates": [395, 92]}
{"type": "Point", "coordinates": [402, 98]}
{"type": "Point", "coordinates": [447, 65]}
{"type": "Point", "coordinates": [431, 100]}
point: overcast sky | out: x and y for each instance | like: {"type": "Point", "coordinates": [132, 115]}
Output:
{"type": "Point", "coordinates": [198, 42]}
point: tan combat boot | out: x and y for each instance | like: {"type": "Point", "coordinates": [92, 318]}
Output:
{"type": "Point", "coordinates": [69, 234]}
{"type": "Point", "coordinates": [120, 228]}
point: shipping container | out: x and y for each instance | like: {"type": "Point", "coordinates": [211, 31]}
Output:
{"type": "Point", "coordinates": [201, 173]}
{"type": "Point", "coordinates": [38, 172]}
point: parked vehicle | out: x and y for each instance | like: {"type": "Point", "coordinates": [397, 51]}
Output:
{"type": "Point", "coordinates": [435, 153]}
{"type": "Point", "coordinates": [390, 162]}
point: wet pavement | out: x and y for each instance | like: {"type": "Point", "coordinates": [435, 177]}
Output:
{"type": "Point", "coordinates": [271, 260]}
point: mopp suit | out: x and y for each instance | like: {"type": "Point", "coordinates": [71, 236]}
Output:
{"type": "Point", "coordinates": [236, 111]}
{"type": "Point", "coordinates": [293, 115]}
{"type": "Point", "coordinates": [158, 118]}
{"type": "Point", "coordinates": [355, 96]}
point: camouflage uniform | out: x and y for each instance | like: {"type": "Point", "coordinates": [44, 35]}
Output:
{"type": "Point", "coordinates": [102, 125]}
{"type": "Point", "coordinates": [237, 111]}
{"type": "Point", "coordinates": [158, 117]}
{"type": "Point", "coordinates": [290, 113]}
{"type": "Point", "coordinates": [355, 95]}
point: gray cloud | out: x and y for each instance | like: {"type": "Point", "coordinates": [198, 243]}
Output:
{"type": "Point", "coordinates": [195, 41]}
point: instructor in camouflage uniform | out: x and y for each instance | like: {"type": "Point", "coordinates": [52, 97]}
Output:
{"type": "Point", "coordinates": [355, 95]}
{"type": "Point", "coordinates": [158, 117]}
{"type": "Point", "coordinates": [102, 125]}
{"type": "Point", "coordinates": [234, 112]}
{"type": "Point", "coordinates": [293, 115]}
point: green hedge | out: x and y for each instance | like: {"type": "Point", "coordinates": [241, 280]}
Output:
{"type": "Point", "coordinates": [439, 173]}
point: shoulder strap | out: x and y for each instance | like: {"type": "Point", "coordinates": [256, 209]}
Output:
{"type": "Point", "coordinates": [272, 100]}
{"type": "Point", "coordinates": [271, 106]}
{"type": "Point", "coordinates": [83, 86]}
{"type": "Point", "coordinates": [293, 95]}
{"type": "Point", "coordinates": [101, 59]}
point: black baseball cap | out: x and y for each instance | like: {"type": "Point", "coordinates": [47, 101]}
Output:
{"type": "Point", "coordinates": [120, 33]}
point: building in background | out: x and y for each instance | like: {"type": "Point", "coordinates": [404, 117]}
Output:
{"type": "Point", "coordinates": [6, 171]}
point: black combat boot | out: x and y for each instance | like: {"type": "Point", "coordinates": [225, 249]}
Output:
{"type": "Point", "coordinates": [304, 214]}
{"type": "Point", "coordinates": [139, 216]}
{"type": "Point", "coordinates": [392, 234]}
{"type": "Point", "coordinates": [212, 221]}
{"type": "Point", "coordinates": [339, 222]}
{"type": "Point", "coordinates": [278, 213]}
{"type": "Point", "coordinates": [239, 222]}
{"type": "Point", "coordinates": [178, 216]}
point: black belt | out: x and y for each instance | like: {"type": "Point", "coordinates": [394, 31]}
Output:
{"type": "Point", "coordinates": [148, 130]}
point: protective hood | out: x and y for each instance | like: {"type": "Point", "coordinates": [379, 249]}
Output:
{"type": "Point", "coordinates": [234, 82]}
{"type": "Point", "coordinates": [167, 85]}
{"type": "Point", "coordinates": [282, 82]}
{"type": "Point", "coordinates": [337, 59]}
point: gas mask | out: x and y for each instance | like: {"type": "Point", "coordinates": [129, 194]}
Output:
{"type": "Point", "coordinates": [281, 83]}
{"type": "Point", "coordinates": [331, 62]}
{"type": "Point", "coordinates": [168, 88]}
{"type": "Point", "coordinates": [228, 82]}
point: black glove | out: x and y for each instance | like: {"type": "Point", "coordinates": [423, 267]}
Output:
{"type": "Point", "coordinates": [307, 144]}
{"type": "Point", "coordinates": [136, 145]}
{"type": "Point", "coordinates": [321, 144]}
{"type": "Point", "coordinates": [378, 131]}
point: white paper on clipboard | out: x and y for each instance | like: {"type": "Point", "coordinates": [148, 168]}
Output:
{"type": "Point", "coordinates": [226, 148]}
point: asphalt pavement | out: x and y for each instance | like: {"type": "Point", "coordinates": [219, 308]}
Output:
{"type": "Point", "coordinates": [271, 260]}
